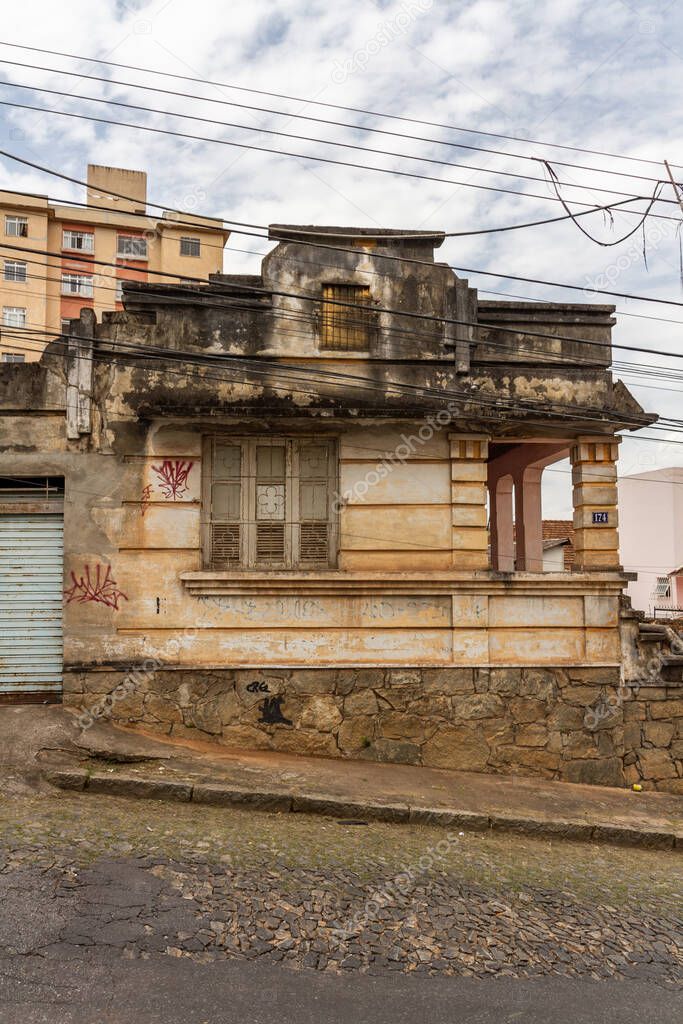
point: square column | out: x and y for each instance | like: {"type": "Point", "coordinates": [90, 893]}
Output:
{"type": "Point", "coordinates": [469, 533]}
{"type": "Point", "coordinates": [594, 476]}
{"type": "Point", "coordinates": [529, 519]}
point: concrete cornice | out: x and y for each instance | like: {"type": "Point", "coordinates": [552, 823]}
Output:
{"type": "Point", "coordinates": [357, 584]}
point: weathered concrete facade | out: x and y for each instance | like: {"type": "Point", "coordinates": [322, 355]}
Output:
{"type": "Point", "coordinates": [397, 623]}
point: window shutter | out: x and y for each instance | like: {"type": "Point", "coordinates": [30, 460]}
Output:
{"type": "Point", "coordinates": [226, 506]}
{"type": "Point", "coordinates": [225, 545]}
{"type": "Point", "coordinates": [315, 544]}
{"type": "Point", "coordinates": [270, 542]}
{"type": "Point", "coordinates": [271, 502]}
{"type": "Point", "coordinates": [314, 502]}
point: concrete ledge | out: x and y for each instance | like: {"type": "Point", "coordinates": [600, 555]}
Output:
{"type": "Point", "coordinates": [229, 795]}
{"type": "Point", "coordinates": [130, 785]}
{"type": "Point", "coordinates": [340, 808]}
{"type": "Point", "coordinates": [69, 778]}
{"type": "Point", "coordinates": [225, 796]}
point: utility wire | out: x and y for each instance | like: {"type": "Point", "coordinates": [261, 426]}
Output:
{"type": "Point", "coordinates": [333, 106]}
{"type": "Point", "coordinates": [413, 175]}
{"type": "Point", "coordinates": [266, 367]}
{"type": "Point", "coordinates": [315, 242]}
{"type": "Point", "coordinates": [208, 299]}
{"type": "Point", "coordinates": [632, 370]}
{"type": "Point", "coordinates": [339, 144]}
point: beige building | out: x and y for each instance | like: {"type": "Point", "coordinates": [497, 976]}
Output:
{"type": "Point", "coordinates": [48, 251]}
{"type": "Point", "coordinates": [277, 511]}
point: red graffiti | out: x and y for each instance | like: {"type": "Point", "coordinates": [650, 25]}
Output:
{"type": "Point", "coordinates": [100, 588]}
{"type": "Point", "coordinates": [145, 498]}
{"type": "Point", "coordinates": [173, 476]}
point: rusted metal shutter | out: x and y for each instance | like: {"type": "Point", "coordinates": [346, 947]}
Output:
{"type": "Point", "coordinates": [31, 585]}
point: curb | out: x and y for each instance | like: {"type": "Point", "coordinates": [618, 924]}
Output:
{"type": "Point", "coordinates": [214, 794]}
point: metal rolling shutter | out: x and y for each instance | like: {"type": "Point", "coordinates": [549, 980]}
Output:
{"type": "Point", "coordinates": [31, 584]}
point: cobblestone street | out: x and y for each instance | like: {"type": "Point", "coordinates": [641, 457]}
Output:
{"type": "Point", "coordinates": [86, 878]}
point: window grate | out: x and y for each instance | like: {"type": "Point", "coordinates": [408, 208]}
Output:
{"type": "Point", "coordinates": [347, 328]}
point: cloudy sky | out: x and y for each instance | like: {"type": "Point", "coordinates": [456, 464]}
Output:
{"type": "Point", "coordinates": [603, 77]}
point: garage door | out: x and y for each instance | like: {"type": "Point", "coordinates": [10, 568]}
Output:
{"type": "Point", "coordinates": [31, 583]}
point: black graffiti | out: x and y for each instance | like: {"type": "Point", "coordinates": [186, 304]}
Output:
{"type": "Point", "coordinates": [257, 687]}
{"type": "Point", "coordinates": [271, 712]}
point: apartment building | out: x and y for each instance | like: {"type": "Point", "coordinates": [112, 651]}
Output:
{"type": "Point", "coordinates": [48, 251]}
{"type": "Point", "coordinates": [651, 530]}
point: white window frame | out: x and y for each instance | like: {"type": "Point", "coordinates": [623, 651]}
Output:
{"type": "Point", "coordinates": [10, 271]}
{"type": "Point", "coordinates": [247, 522]}
{"type": "Point", "coordinates": [74, 283]}
{"type": "Point", "coordinates": [191, 241]}
{"type": "Point", "coordinates": [662, 587]}
{"type": "Point", "coordinates": [13, 357]}
{"type": "Point", "coordinates": [13, 316]}
{"type": "Point", "coordinates": [14, 225]}
{"type": "Point", "coordinates": [126, 244]}
{"type": "Point", "coordinates": [118, 290]}
{"type": "Point", "coordinates": [71, 237]}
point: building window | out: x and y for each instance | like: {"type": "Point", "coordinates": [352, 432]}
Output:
{"type": "Point", "coordinates": [118, 291]}
{"type": "Point", "coordinates": [16, 227]}
{"type": "Point", "coordinates": [82, 241]}
{"type": "Point", "coordinates": [268, 503]}
{"type": "Point", "coordinates": [132, 246]}
{"type": "Point", "coordinates": [13, 357]}
{"type": "Point", "coordinates": [347, 328]}
{"type": "Point", "coordinates": [66, 325]}
{"type": "Point", "coordinates": [190, 247]}
{"type": "Point", "coordinates": [662, 587]}
{"type": "Point", "coordinates": [13, 316]}
{"type": "Point", "coordinates": [77, 284]}
{"type": "Point", "coordinates": [15, 270]}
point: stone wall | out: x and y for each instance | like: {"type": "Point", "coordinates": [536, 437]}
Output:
{"type": "Point", "coordinates": [653, 702]}
{"type": "Point", "coordinates": [653, 737]}
{"type": "Point", "coordinates": [501, 720]}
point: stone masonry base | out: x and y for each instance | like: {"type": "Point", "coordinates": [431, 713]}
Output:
{"type": "Point", "coordinates": [559, 723]}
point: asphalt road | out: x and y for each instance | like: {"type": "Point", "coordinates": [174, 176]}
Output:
{"type": "Point", "coordinates": [35, 991]}
{"type": "Point", "coordinates": [116, 911]}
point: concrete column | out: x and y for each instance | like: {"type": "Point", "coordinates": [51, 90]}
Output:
{"type": "Point", "coordinates": [469, 534]}
{"type": "Point", "coordinates": [594, 476]}
{"type": "Point", "coordinates": [529, 519]}
{"type": "Point", "coordinates": [502, 531]}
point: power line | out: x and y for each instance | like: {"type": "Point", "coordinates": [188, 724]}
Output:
{"type": "Point", "coordinates": [533, 298]}
{"type": "Point", "coordinates": [320, 120]}
{"type": "Point", "coordinates": [334, 106]}
{"type": "Point", "coordinates": [315, 242]}
{"type": "Point", "coordinates": [305, 156]}
{"type": "Point", "coordinates": [330, 142]}
{"type": "Point", "coordinates": [628, 369]}
{"type": "Point", "coordinates": [265, 366]}
{"type": "Point", "coordinates": [267, 292]}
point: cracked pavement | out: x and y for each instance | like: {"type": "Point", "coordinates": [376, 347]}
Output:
{"type": "Point", "coordinates": [93, 883]}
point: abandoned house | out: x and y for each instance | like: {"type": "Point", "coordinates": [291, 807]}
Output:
{"type": "Point", "coordinates": [277, 511]}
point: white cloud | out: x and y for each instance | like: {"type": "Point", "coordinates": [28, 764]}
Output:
{"type": "Point", "coordinates": [599, 76]}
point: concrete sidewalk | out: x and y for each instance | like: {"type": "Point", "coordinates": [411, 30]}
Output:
{"type": "Point", "coordinates": [131, 763]}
